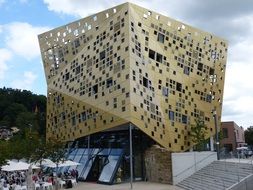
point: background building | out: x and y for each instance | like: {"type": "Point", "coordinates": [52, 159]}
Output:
{"type": "Point", "coordinates": [131, 66]}
{"type": "Point", "coordinates": [233, 136]}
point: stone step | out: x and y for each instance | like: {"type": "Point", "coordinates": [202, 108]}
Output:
{"type": "Point", "coordinates": [228, 169]}
{"type": "Point", "coordinates": [232, 174]}
{"type": "Point", "coordinates": [218, 175]}
{"type": "Point", "coordinates": [192, 184]}
{"type": "Point", "coordinates": [202, 184]}
{"type": "Point", "coordinates": [185, 186]}
{"type": "Point", "coordinates": [217, 180]}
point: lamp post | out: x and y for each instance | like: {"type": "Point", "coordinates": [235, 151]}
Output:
{"type": "Point", "coordinates": [216, 134]}
{"type": "Point", "coordinates": [235, 148]}
{"type": "Point", "coordinates": [131, 155]}
{"type": "Point", "coordinates": [235, 134]}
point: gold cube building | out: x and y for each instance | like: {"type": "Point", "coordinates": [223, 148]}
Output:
{"type": "Point", "coordinates": [127, 65]}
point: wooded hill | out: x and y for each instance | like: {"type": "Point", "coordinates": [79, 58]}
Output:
{"type": "Point", "coordinates": [22, 109]}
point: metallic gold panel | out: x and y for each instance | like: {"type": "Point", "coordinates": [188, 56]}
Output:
{"type": "Point", "coordinates": [129, 64]}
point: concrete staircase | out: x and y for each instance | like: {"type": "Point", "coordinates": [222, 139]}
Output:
{"type": "Point", "coordinates": [218, 175]}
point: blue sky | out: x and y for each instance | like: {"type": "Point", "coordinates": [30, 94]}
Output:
{"type": "Point", "coordinates": [22, 20]}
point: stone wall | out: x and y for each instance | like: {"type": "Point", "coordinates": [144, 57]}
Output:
{"type": "Point", "coordinates": [158, 165]}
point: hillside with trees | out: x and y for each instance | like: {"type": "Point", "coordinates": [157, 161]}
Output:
{"type": "Point", "coordinates": [22, 109]}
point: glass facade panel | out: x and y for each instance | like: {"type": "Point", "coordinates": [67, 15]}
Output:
{"type": "Point", "coordinates": [109, 169]}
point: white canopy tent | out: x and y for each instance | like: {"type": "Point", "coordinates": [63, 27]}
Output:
{"type": "Point", "coordinates": [69, 163]}
{"type": "Point", "coordinates": [242, 148]}
{"type": "Point", "coordinates": [17, 166]}
{"type": "Point", "coordinates": [51, 164]}
{"type": "Point", "coordinates": [45, 162]}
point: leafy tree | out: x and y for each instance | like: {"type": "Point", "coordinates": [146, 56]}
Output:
{"type": "Point", "coordinates": [6, 121]}
{"type": "Point", "coordinates": [27, 120]}
{"type": "Point", "coordinates": [32, 147]}
{"type": "Point", "coordinates": [197, 134]}
{"type": "Point", "coordinates": [56, 150]}
{"type": "Point", "coordinates": [13, 109]}
{"type": "Point", "coordinates": [4, 152]}
{"type": "Point", "coordinates": [18, 109]}
{"type": "Point", "coordinates": [249, 136]}
{"type": "Point", "coordinates": [57, 153]}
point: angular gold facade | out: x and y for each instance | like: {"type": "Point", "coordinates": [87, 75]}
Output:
{"type": "Point", "coordinates": [129, 64]}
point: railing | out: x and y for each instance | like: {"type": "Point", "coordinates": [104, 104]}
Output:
{"type": "Point", "coordinates": [245, 183]}
{"type": "Point", "coordinates": [195, 166]}
{"type": "Point", "coordinates": [241, 174]}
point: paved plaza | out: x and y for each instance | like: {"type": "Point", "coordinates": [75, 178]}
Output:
{"type": "Point", "coordinates": [125, 186]}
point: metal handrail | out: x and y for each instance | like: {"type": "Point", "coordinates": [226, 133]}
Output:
{"type": "Point", "coordinates": [194, 164]}
{"type": "Point", "coordinates": [231, 187]}
{"type": "Point", "coordinates": [239, 180]}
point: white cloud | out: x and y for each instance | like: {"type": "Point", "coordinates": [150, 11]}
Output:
{"type": "Point", "coordinates": [21, 38]}
{"type": "Point", "coordinates": [81, 8]}
{"type": "Point", "coordinates": [26, 82]}
{"type": "Point", "coordinates": [239, 110]}
{"type": "Point", "coordinates": [238, 93]}
{"type": "Point", "coordinates": [5, 56]}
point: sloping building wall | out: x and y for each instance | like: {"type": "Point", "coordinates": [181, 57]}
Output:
{"type": "Point", "coordinates": [129, 64]}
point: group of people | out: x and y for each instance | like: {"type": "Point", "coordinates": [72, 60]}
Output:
{"type": "Point", "coordinates": [15, 179]}
{"type": "Point", "coordinates": [40, 177]}
{"type": "Point", "coordinates": [9, 180]}
{"type": "Point", "coordinates": [69, 174]}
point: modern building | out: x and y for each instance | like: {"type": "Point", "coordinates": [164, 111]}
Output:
{"type": "Point", "coordinates": [129, 66]}
{"type": "Point", "coordinates": [233, 136]}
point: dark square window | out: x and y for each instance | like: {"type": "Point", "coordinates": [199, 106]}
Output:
{"type": "Point", "coordinates": [73, 121]}
{"type": "Point", "coordinates": [200, 66]}
{"type": "Point", "coordinates": [184, 119]}
{"type": "Point", "coordinates": [83, 116]}
{"type": "Point", "coordinates": [109, 82]}
{"type": "Point", "coordinates": [159, 57]}
{"type": "Point", "coordinates": [165, 91]}
{"type": "Point", "coordinates": [160, 38]}
{"type": "Point", "coordinates": [186, 70]}
{"type": "Point", "coordinates": [211, 71]}
{"type": "Point", "coordinates": [78, 69]}
{"type": "Point", "coordinates": [151, 54]}
{"type": "Point", "coordinates": [225, 132]}
{"type": "Point", "coordinates": [95, 89]}
{"type": "Point", "coordinates": [67, 76]}
{"type": "Point", "coordinates": [209, 98]}
{"type": "Point", "coordinates": [102, 55]}
{"type": "Point", "coordinates": [171, 115]}
{"type": "Point", "coordinates": [145, 82]}
{"type": "Point", "coordinates": [179, 87]}
{"type": "Point", "coordinates": [76, 43]}
{"type": "Point", "coordinates": [116, 26]}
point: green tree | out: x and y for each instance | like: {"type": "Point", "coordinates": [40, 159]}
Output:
{"type": "Point", "coordinates": [27, 120]}
{"type": "Point", "coordinates": [34, 148]}
{"type": "Point", "coordinates": [13, 110]}
{"type": "Point", "coordinates": [4, 152]}
{"type": "Point", "coordinates": [249, 136]}
{"type": "Point", "coordinates": [57, 153]}
{"type": "Point", "coordinates": [56, 150]}
{"type": "Point", "coordinates": [197, 134]}
{"type": "Point", "coordinates": [17, 108]}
